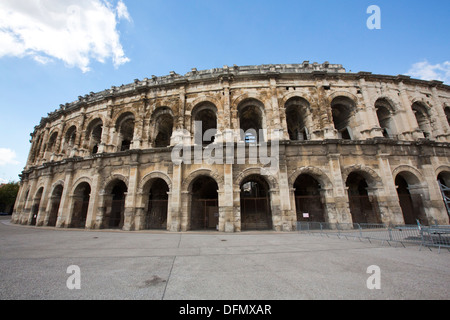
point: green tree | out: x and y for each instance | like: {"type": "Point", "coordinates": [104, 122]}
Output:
{"type": "Point", "coordinates": [8, 194]}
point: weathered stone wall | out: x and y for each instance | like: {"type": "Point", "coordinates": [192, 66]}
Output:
{"type": "Point", "coordinates": [328, 124]}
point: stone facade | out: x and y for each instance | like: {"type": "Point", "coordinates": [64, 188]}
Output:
{"type": "Point", "coordinates": [353, 147]}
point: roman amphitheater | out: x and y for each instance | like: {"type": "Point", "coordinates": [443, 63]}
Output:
{"type": "Point", "coordinates": [350, 147]}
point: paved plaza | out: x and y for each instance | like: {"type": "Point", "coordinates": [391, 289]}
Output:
{"type": "Point", "coordinates": [34, 264]}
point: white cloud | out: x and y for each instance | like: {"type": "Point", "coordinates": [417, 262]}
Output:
{"type": "Point", "coordinates": [74, 31]}
{"type": "Point", "coordinates": [426, 71]}
{"type": "Point", "coordinates": [7, 156]}
{"type": "Point", "coordinates": [122, 11]}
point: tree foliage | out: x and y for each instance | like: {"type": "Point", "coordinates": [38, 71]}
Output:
{"type": "Point", "coordinates": [8, 194]}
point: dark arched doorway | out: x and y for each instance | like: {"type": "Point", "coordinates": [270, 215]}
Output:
{"type": "Point", "coordinates": [342, 109]}
{"type": "Point", "coordinates": [55, 201]}
{"type": "Point", "coordinates": [423, 118]}
{"type": "Point", "coordinates": [308, 201]}
{"type": "Point", "coordinates": [204, 204]}
{"type": "Point", "coordinates": [164, 131]}
{"type": "Point", "coordinates": [361, 207]}
{"type": "Point", "coordinates": [35, 206]}
{"type": "Point", "coordinates": [80, 205]}
{"type": "Point", "coordinates": [296, 118]}
{"type": "Point", "coordinates": [205, 123]}
{"type": "Point", "coordinates": [94, 135]}
{"type": "Point", "coordinates": [250, 113]}
{"type": "Point", "coordinates": [255, 204]}
{"type": "Point", "coordinates": [410, 199]}
{"type": "Point", "coordinates": [157, 204]}
{"type": "Point", "coordinates": [118, 193]}
{"type": "Point", "coordinates": [125, 128]}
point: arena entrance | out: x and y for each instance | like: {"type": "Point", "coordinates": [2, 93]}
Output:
{"type": "Point", "coordinates": [308, 201]}
{"type": "Point", "coordinates": [80, 205]}
{"type": "Point", "coordinates": [255, 204]}
{"type": "Point", "coordinates": [157, 204]}
{"type": "Point", "coordinates": [410, 202]}
{"type": "Point", "coordinates": [55, 201]}
{"type": "Point", "coordinates": [116, 217]}
{"type": "Point", "coordinates": [361, 206]}
{"type": "Point", "coordinates": [204, 204]}
{"type": "Point", "coordinates": [35, 207]}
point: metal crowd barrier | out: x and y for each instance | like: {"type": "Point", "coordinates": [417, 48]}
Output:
{"type": "Point", "coordinates": [425, 236]}
{"type": "Point", "coordinates": [435, 236]}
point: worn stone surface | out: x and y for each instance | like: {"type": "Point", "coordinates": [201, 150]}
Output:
{"type": "Point", "coordinates": [96, 162]}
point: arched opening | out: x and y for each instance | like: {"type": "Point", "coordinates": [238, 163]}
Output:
{"type": "Point", "coordinates": [204, 204]}
{"type": "Point", "coordinates": [36, 149]}
{"type": "Point", "coordinates": [164, 127]}
{"type": "Point", "coordinates": [308, 202]}
{"type": "Point", "coordinates": [158, 201]}
{"type": "Point", "coordinates": [342, 109]}
{"type": "Point", "coordinates": [447, 114]}
{"type": "Point", "coordinates": [117, 208]}
{"type": "Point", "coordinates": [361, 207]}
{"type": "Point", "coordinates": [384, 115]}
{"type": "Point", "coordinates": [81, 199]}
{"type": "Point", "coordinates": [296, 118]}
{"type": "Point", "coordinates": [35, 206]}
{"type": "Point", "coordinates": [444, 185]}
{"type": "Point", "coordinates": [423, 119]}
{"type": "Point", "coordinates": [205, 121]}
{"type": "Point", "coordinates": [52, 142]}
{"type": "Point", "coordinates": [255, 204]}
{"type": "Point", "coordinates": [251, 121]}
{"type": "Point", "coordinates": [55, 201]}
{"type": "Point", "coordinates": [25, 199]}
{"type": "Point", "coordinates": [94, 135]}
{"type": "Point", "coordinates": [69, 140]}
{"type": "Point", "coordinates": [125, 128]}
{"type": "Point", "coordinates": [410, 198]}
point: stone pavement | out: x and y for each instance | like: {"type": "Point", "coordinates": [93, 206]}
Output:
{"type": "Point", "coordinates": [211, 266]}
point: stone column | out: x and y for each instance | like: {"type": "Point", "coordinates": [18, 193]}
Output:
{"type": "Point", "coordinates": [226, 221]}
{"type": "Point", "coordinates": [443, 133]}
{"type": "Point", "coordinates": [277, 217]}
{"type": "Point", "coordinates": [227, 126]}
{"type": "Point", "coordinates": [64, 212]}
{"type": "Point", "coordinates": [326, 117]}
{"type": "Point", "coordinates": [226, 214]}
{"type": "Point", "coordinates": [91, 218]}
{"type": "Point", "coordinates": [43, 146]}
{"type": "Point", "coordinates": [20, 201]}
{"type": "Point", "coordinates": [44, 198]}
{"type": "Point", "coordinates": [108, 143]}
{"type": "Point", "coordinates": [180, 134]}
{"type": "Point", "coordinates": [138, 128]}
{"type": "Point", "coordinates": [175, 199]}
{"type": "Point", "coordinates": [26, 213]}
{"type": "Point", "coordinates": [185, 208]}
{"type": "Point", "coordinates": [81, 138]}
{"type": "Point", "coordinates": [275, 131]}
{"type": "Point", "coordinates": [388, 202]}
{"type": "Point", "coordinates": [410, 125]}
{"type": "Point", "coordinates": [288, 214]}
{"type": "Point", "coordinates": [130, 201]}
{"type": "Point", "coordinates": [435, 209]}
{"type": "Point", "coordinates": [237, 207]}
{"type": "Point", "coordinates": [341, 205]}
{"type": "Point", "coordinates": [369, 114]}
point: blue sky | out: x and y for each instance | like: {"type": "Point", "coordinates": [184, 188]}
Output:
{"type": "Point", "coordinates": [52, 51]}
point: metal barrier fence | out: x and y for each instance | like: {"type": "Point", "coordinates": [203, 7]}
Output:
{"type": "Point", "coordinates": [425, 236]}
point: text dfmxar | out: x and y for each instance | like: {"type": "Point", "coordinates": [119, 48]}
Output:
{"type": "Point", "coordinates": [227, 309]}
